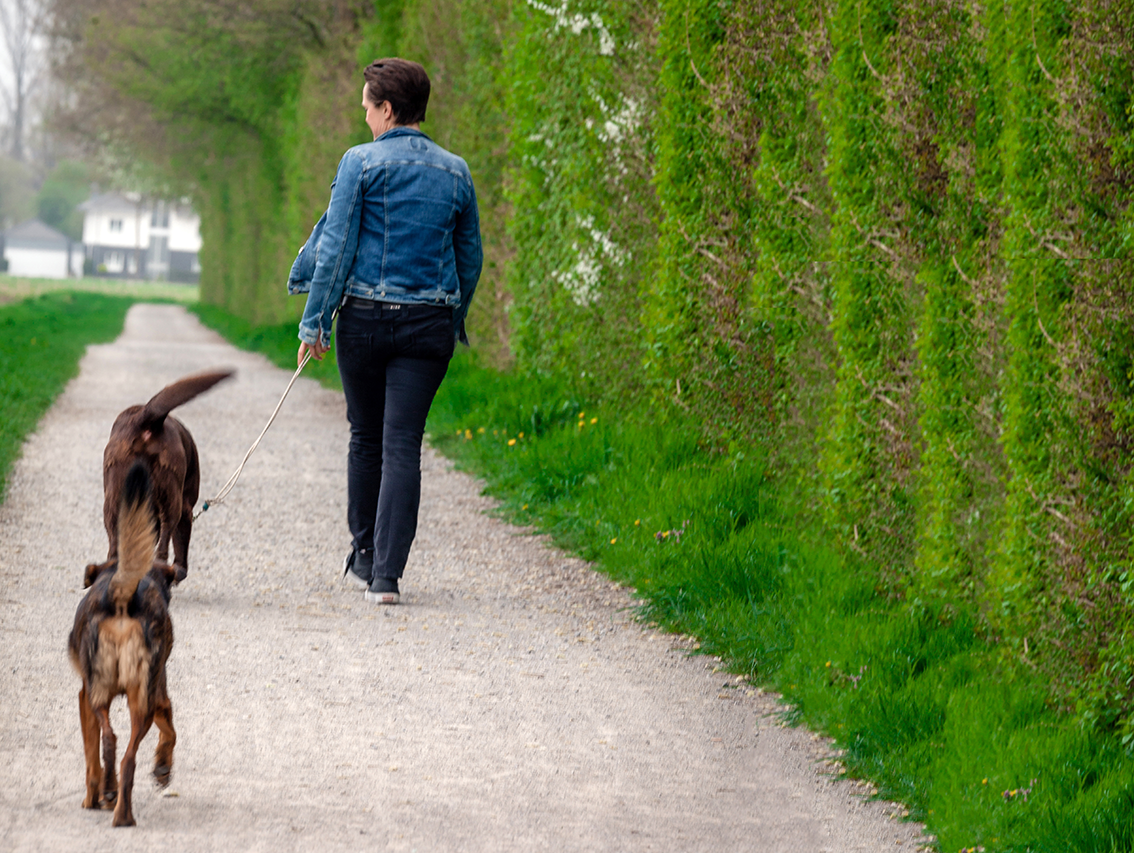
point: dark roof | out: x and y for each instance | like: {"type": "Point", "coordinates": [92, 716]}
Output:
{"type": "Point", "coordinates": [35, 235]}
{"type": "Point", "coordinates": [108, 202]}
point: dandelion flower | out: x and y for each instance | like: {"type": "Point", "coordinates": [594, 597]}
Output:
{"type": "Point", "coordinates": [521, 435]}
{"type": "Point", "coordinates": [637, 522]}
{"type": "Point", "coordinates": [828, 663]}
{"type": "Point", "coordinates": [525, 506]}
{"type": "Point", "coordinates": [480, 430]}
{"type": "Point", "coordinates": [582, 415]}
{"type": "Point", "coordinates": [468, 435]}
{"type": "Point", "coordinates": [511, 442]}
{"type": "Point", "coordinates": [615, 539]}
{"type": "Point", "coordinates": [594, 420]}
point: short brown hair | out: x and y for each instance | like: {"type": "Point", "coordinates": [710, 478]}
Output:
{"type": "Point", "coordinates": [401, 82]}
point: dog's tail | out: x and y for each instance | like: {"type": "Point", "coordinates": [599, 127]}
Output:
{"type": "Point", "coordinates": [137, 536]}
{"type": "Point", "coordinates": [180, 392]}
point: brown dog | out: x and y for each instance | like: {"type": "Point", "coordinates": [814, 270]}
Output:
{"type": "Point", "coordinates": [119, 644]}
{"type": "Point", "coordinates": [147, 432]}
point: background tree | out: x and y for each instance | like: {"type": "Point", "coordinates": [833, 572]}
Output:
{"type": "Point", "coordinates": [17, 196]}
{"type": "Point", "coordinates": [21, 26]}
{"type": "Point", "coordinates": [63, 190]}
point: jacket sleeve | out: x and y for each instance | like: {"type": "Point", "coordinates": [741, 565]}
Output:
{"type": "Point", "coordinates": [469, 257]}
{"type": "Point", "coordinates": [303, 268]}
{"type": "Point", "coordinates": [337, 248]}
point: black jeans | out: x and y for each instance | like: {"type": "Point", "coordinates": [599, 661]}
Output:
{"type": "Point", "coordinates": [391, 360]}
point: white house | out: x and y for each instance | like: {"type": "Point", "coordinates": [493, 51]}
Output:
{"type": "Point", "coordinates": [35, 250]}
{"type": "Point", "coordinates": [129, 236]}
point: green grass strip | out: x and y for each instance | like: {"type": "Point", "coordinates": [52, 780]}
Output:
{"type": "Point", "coordinates": [41, 342]}
{"type": "Point", "coordinates": [935, 713]}
{"type": "Point", "coordinates": [18, 287]}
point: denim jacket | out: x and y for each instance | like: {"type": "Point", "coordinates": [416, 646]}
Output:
{"type": "Point", "coordinates": [402, 226]}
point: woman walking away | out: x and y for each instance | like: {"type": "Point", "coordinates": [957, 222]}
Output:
{"type": "Point", "coordinates": [398, 255]}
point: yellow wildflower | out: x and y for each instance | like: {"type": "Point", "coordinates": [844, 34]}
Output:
{"type": "Point", "coordinates": [511, 442]}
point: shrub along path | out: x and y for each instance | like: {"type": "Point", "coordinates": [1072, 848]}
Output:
{"type": "Point", "coordinates": [510, 703]}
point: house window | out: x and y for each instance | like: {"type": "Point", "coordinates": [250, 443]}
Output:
{"type": "Point", "coordinates": [114, 261]}
{"type": "Point", "coordinates": [116, 225]}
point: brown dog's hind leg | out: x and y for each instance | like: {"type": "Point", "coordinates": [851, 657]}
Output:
{"type": "Point", "coordinates": [89, 725]}
{"type": "Point", "coordinates": [181, 544]}
{"type": "Point", "coordinates": [109, 789]}
{"type": "Point", "coordinates": [162, 550]}
{"type": "Point", "coordinates": [140, 723]}
{"type": "Point", "coordinates": [163, 755]}
{"type": "Point", "coordinates": [112, 534]}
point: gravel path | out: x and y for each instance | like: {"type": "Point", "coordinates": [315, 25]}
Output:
{"type": "Point", "coordinates": [510, 703]}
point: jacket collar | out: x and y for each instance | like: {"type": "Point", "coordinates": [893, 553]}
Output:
{"type": "Point", "coordinates": [400, 131]}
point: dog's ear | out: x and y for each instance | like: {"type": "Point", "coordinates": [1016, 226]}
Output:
{"type": "Point", "coordinates": [93, 570]}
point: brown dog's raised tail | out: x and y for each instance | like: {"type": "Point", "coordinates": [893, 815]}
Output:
{"type": "Point", "coordinates": [177, 394]}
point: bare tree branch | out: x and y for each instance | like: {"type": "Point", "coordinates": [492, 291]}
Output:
{"type": "Point", "coordinates": [21, 25]}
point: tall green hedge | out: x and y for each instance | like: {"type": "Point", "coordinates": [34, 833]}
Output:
{"type": "Point", "coordinates": [581, 107]}
{"type": "Point", "coordinates": [956, 126]}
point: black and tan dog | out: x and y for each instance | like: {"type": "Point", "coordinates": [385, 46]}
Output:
{"type": "Point", "coordinates": [148, 432]}
{"type": "Point", "coordinates": [119, 644]}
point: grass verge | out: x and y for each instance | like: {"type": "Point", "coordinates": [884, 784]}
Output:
{"type": "Point", "coordinates": [15, 287]}
{"type": "Point", "coordinates": [928, 708]}
{"type": "Point", "coordinates": [41, 342]}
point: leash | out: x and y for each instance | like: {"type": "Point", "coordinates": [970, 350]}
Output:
{"type": "Point", "coordinates": [227, 487]}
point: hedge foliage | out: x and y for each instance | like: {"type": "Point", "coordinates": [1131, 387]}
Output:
{"type": "Point", "coordinates": [886, 240]}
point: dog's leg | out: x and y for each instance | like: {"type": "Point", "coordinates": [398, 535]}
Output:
{"type": "Point", "coordinates": [90, 748]}
{"type": "Point", "coordinates": [110, 512]}
{"type": "Point", "coordinates": [163, 756]}
{"type": "Point", "coordinates": [181, 544]}
{"type": "Point", "coordinates": [140, 722]}
{"type": "Point", "coordinates": [166, 530]}
{"type": "Point", "coordinates": [109, 789]}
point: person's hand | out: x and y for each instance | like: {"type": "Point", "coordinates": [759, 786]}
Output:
{"type": "Point", "coordinates": [316, 349]}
